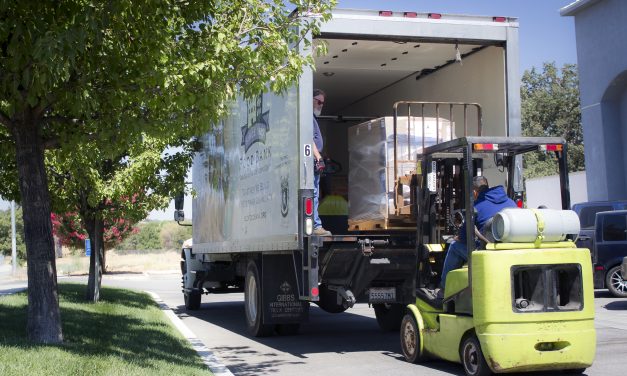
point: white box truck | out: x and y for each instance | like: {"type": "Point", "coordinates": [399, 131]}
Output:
{"type": "Point", "coordinates": [253, 176]}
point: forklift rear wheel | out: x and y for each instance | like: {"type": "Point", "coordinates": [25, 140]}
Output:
{"type": "Point", "coordinates": [252, 303]}
{"type": "Point", "coordinates": [410, 339]}
{"type": "Point", "coordinates": [472, 357]}
{"type": "Point", "coordinates": [389, 316]}
{"type": "Point", "coordinates": [615, 283]}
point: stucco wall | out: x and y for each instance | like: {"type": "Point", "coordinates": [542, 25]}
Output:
{"type": "Point", "coordinates": [601, 30]}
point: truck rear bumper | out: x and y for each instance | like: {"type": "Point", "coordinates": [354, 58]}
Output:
{"type": "Point", "coordinates": [539, 346]}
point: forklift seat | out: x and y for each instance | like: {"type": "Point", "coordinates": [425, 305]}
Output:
{"type": "Point", "coordinates": [456, 281]}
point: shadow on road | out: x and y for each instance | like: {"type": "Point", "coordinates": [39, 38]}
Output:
{"type": "Point", "coordinates": [341, 333]}
{"type": "Point", "coordinates": [620, 305]}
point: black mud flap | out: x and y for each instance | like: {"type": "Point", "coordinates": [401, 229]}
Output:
{"type": "Point", "coordinates": [281, 303]}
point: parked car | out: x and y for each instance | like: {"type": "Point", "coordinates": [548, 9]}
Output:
{"type": "Point", "coordinates": [609, 250]}
{"type": "Point", "coordinates": [587, 212]}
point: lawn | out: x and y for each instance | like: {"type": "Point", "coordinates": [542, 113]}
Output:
{"type": "Point", "coordinates": [124, 334]}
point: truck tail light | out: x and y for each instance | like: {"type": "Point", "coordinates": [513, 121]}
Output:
{"type": "Point", "coordinates": [315, 291]}
{"type": "Point", "coordinates": [435, 16]}
{"type": "Point", "coordinates": [499, 19]}
{"type": "Point", "coordinates": [385, 13]}
{"type": "Point", "coordinates": [309, 206]}
{"type": "Point", "coordinates": [410, 14]}
{"type": "Point", "coordinates": [519, 203]}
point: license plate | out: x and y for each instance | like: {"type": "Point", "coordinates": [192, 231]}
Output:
{"type": "Point", "coordinates": [382, 295]}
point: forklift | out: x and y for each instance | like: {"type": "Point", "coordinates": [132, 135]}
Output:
{"type": "Point", "coordinates": [522, 303]}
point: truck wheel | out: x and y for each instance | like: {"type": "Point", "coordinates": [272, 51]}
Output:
{"type": "Point", "coordinates": [389, 316]}
{"type": "Point", "coordinates": [192, 300]}
{"type": "Point", "coordinates": [615, 283]}
{"type": "Point", "coordinates": [252, 303]}
{"type": "Point", "coordinates": [472, 357]}
{"type": "Point", "coordinates": [410, 339]}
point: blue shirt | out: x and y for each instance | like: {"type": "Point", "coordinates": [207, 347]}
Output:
{"type": "Point", "coordinates": [317, 136]}
{"type": "Point", "coordinates": [487, 204]}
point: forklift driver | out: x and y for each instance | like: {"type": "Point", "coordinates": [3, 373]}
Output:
{"type": "Point", "coordinates": [488, 202]}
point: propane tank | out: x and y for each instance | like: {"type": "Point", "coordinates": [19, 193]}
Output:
{"type": "Point", "coordinates": [514, 225]}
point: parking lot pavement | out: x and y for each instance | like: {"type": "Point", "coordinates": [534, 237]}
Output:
{"type": "Point", "coordinates": [5, 270]}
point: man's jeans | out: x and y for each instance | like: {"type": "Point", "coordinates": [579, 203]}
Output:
{"type": "Point", "coordinates": [316, 219]}
{"type": "Point", "coordinates": [456, 256]}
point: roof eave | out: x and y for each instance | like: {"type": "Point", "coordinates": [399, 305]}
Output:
{"type": "Point", "coordinates": [577, 6]}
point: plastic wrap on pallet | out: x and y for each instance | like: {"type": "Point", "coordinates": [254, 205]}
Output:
{"type": "Point", "coordinates": [371, 162]}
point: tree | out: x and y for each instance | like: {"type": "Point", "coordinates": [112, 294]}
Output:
{"type": "Point", "coordinates": [76, 71]}
{"type": "Point", "coordinates": [550, 107]}
{"type": "Point", "coordinates": [110, 194]}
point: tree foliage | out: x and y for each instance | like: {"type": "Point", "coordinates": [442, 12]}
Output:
{"type": "Point", "coordinates": [156, 235]}
{"type": "Point", "coordinates": [124, 72]}
{"type": "Point", "coordinates": [71, 232]}
{"type": "Point", "coordinates": [550, 107]}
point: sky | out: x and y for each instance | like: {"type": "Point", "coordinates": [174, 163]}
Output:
{"type": "Point", "coordinates": [544, 35]}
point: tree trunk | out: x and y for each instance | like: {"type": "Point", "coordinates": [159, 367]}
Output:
{"type": "Point", "coordinates": [103, 256]}
{"type": "Point", "coordinates": [95, 229]}
{"type": "Point", "coordinates": [44, 317]}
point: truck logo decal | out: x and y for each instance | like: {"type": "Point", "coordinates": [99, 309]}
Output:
{"type": "Point", "coordinates": [285, 287]}
{"type": "Point", "coordinates": [257, 123]}
{"type": "Point", "coordinates": [285, 195]}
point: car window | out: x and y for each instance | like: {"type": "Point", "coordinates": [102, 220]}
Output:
{"type": "Point", "coordinates": [614, 228]}
{"type": "Point", "coordinates": [588, 214]}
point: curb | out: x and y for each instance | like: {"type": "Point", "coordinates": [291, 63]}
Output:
{"type": "Point", "coordinates": [207, 356]}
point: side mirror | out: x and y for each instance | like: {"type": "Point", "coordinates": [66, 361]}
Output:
{"type": "Point", "coordinates": [179, 215]}
{"type": "Point", "coordinates": [179, 201]}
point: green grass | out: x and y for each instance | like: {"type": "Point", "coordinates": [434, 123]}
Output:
{"type": "Point", "coordinates": [124, 334]}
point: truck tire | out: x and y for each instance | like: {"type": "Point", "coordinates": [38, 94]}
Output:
{"type": "Point", "coordinates": [389, 316]}
{"type": "Point", "coordinates": [252, 303]}
{"type": "Point", "coordinates": [472, 357]}
{"type": "Point", "coordinates": [192, 300]}
{"type": "Point", "coordinates": [410, 339]}
{"type": "Point", "coordinates": [615, 282]}
{"type": "Point", "coordinates": [328, 300]}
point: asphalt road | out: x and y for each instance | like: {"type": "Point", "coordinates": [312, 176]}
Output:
{"type": "Point", "coordinates": [349, 343]}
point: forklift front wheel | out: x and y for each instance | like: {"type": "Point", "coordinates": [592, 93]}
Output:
{"type": "Point", "coordinates": [472, 357]}
{"type": "Point", "coordinates": [411, 339]}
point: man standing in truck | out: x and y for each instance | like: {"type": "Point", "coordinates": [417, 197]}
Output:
{"type": "Point", "coordinates": [318, 102]}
